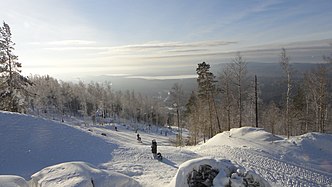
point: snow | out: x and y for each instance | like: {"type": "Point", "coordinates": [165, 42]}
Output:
{"type": "Point", "coordinates": [80, 174]}
{"type": "Point", "coordinates": [28, 144]}
{"type": "Point", "coordinates": [300, 161]}
{"type": "Point", "coordinates": [35, 149]}
{"type": "Point", "coordinates": [12, 181]}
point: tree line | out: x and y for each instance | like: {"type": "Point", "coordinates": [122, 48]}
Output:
{"type": "Point", "coordinates": [227, 100]}
{"type": "Point", "coordinates": [232, 99]}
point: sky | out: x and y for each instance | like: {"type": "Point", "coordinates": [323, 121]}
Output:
{"type": "Point", "coordinates": [69, 39]}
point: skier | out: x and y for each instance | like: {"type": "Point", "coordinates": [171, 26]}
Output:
{"type": "Point", "coordinates": [139, 138]}
{"type": "Point", "coordinates": [154, 151]}
{"type": "Point", "coordinates": [154, 148]}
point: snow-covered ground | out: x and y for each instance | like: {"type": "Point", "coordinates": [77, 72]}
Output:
{"type": "Point", "coordinates": [35, 149]}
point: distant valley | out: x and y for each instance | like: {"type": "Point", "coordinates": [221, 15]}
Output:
{"type": "Point", "coordinates": [269, 77]}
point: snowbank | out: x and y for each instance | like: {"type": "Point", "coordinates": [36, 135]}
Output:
{"type": "Point", "coordinates": [314, 150]}
{"type": "Point", "coordinates": [29, 144]}
{"type": "Point", "coordinates": [12, 181]}
{"type": "Point", "coordinates": [80, 174]}
{"type": "Point", "coordinates": [229, 174]}
{"type": "Point", "coordinates": [251, 133]}
{"type": "Point", "coordinates": [242, 137]}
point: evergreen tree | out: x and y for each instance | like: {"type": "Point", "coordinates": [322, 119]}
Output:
{"type": "Point", "coordinates": [206, 91]}
{"type": "Point", "coordinates": [13, 84]}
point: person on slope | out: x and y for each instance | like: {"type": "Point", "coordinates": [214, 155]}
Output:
{"type": "Point", "coordinates": [154, 148]}
{"type": "Point", "coordinates": [154, 151]}
{"type": "Point", "coordinates": [139, 138]}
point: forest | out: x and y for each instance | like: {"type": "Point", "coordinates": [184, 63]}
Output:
{"type": "Point", "coordinates": [232, 98]}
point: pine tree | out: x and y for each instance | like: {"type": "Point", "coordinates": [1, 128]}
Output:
{"type": "Point", "coordinates": [206, 92]}
{"type": "Point", "coordinates": [12, 82]}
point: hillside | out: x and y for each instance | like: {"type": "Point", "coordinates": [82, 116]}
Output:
{"type": "Point", "coordinates": [29, 144]}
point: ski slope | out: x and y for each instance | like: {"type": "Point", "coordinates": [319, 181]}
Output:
{"type": "Point", "coordinates": [29, 144]}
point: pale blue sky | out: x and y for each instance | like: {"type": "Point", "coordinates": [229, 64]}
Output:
{"type": "Point", "coordinates": [151, 37]}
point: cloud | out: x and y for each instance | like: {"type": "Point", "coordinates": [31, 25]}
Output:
{"type": "Point", "coordinates": [170, 77]}
{"type": "Point", "coordinates": [159, 48]}
{"type": "Point", "coordinates": [72, 42]}
{"type": "Point", "coordinates": [146, 50]}
{"type": "Point", "coordinates": [154, 45]}
{"type": "Point", "coordinates": [117, 74]}
{"type": "Point", "coordinates": [68, 48]}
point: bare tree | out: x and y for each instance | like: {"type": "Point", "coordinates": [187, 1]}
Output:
{"type": "Point", "coordinates": [177, 97]}
{"type": "Point", "coordinates": [318, 95]}
{"type": "Point", "coordinates": [225, 84]}
{"type": "Point", "coordinates": [256, 102]}
{"type": "Point", "coordinates": [271, 116]}
{"type": "Point", "coordinates": [192, 114]}
{"type": "Point", "coordinates": [239, 71]}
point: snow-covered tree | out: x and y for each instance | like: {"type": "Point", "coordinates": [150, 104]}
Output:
{"type": "Point", "coordinates": [13, 84]}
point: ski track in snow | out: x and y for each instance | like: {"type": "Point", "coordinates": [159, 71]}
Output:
{"type": "Point", "coordinates": [274, 170]}
{"type": "Point", "coordinates": [135, 159]}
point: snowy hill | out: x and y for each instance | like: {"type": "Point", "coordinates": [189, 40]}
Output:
{"type": "Point", "coordinates": [36, 147]}
{"type": "Point", "coordinates": [28, 144]}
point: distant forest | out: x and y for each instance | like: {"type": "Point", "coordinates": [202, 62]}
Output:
{"type": "Point", "coordinates": [283, 98]}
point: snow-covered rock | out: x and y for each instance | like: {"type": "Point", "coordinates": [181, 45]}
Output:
{"type": "Point", "coordinates": [80, 174]}
{"type": "Point", "coordinates": [12, 181]}
{"type": "Point", "coordinates": [229, 174]}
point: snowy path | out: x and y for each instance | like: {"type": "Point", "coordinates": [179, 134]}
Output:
{"type": "Point", "coordinates": [135, 159]}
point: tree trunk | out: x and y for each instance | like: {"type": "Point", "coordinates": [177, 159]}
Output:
{"type": "Point", "coordinates": [256, 101]}
{"type": "Point", "coordinates": [216, 111]}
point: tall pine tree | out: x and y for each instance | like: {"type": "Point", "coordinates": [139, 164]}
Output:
{"type": "Point", "coordinates": [206, 91]}
{"type": "Point", "coordinates": [12, 83]}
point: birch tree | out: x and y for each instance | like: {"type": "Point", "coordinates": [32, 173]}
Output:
{"type": "Point", "coordinates": [284, 63]}
{"type": "Point", "coordinates": [238, 68]}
